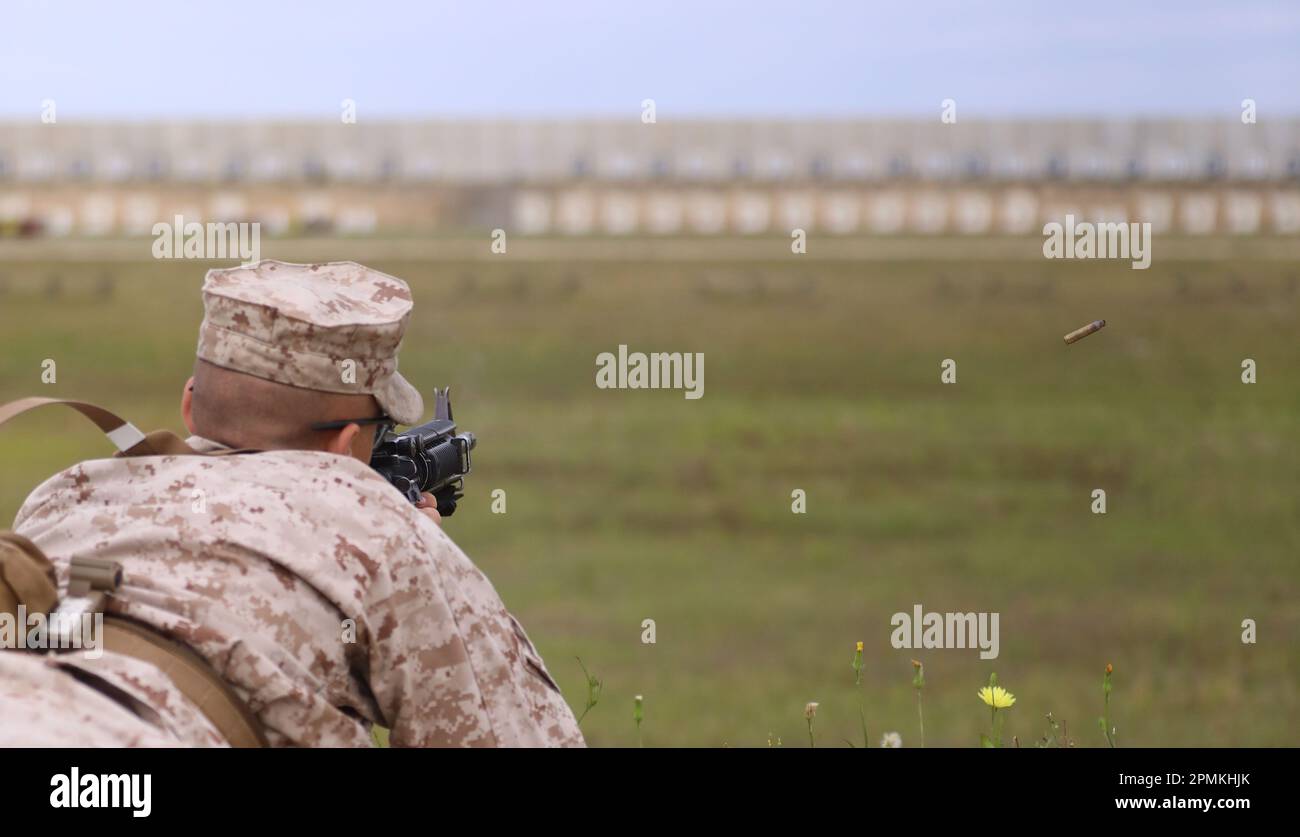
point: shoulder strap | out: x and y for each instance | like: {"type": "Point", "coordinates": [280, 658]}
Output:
{"type": "Point", "coordinates": [124, 435]}
{"type": "Point", "coordinates": [192, 675]}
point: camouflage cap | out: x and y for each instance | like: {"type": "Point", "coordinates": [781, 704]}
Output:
{"type": "Point", "coordinates": [333, 327]}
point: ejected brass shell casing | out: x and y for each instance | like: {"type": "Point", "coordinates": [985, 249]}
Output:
{"type": "Point", "coordinates": [1080, 333]}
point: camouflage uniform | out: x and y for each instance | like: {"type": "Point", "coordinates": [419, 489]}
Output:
{"type": "Point", "coordinates": [307, 581]}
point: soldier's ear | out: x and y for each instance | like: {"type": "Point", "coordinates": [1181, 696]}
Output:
{"type": "Point", "coordinates": [187, 405]}
{"type": "Point", "coordinates": [341, 441]}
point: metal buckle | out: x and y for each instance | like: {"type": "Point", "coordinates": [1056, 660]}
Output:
{"type": "Point", "coordinates": [91, 582]}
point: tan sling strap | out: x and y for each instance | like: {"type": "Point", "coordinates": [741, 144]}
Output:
{"type": "Point", "coordinates": [26, 577]}
{"type": "Point", "coordinates": [192, 676]}
{"type": "Point", "coordinates": [124, 435]}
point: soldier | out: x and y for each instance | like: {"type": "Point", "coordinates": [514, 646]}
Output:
{"type": "Point", "coordinates": [321, 598]}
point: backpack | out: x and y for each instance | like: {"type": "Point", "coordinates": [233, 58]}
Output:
{"type": "Point", "coordinates": [28, 584]}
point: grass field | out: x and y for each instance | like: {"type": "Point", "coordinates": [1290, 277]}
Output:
{"type": "Point", "coordinates": [628, 505]}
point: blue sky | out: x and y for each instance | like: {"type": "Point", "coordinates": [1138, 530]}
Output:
{"type": "Point", "coordinates": [232, 58]}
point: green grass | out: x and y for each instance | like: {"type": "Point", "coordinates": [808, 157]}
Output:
{"type": "Point", "coordinates": [627, 505]}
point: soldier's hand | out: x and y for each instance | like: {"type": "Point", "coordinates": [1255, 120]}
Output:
{"type": "Point", "coordinates": [429, 506]}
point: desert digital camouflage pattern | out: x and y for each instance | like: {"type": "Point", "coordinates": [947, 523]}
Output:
{"type": "Point", "coordinates": [301, 325]}
{"type": "Point", "coordinates": [305, 580]}
{"type": "Point", "coordinates": [45, 707]}
{"type": "Point", "coordinates": [257, 561]}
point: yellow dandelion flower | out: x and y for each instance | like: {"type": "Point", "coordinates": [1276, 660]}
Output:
{"type": "Point", "coordinates": [859, 645]}
{"type": "Point", "coordinates": [997, 697]}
